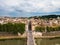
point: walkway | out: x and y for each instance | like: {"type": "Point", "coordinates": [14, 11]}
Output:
{"type": "Point", "coordinates": [30, 37]}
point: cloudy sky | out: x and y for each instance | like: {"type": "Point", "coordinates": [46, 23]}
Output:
{"type": "Point", "coordinates": [29, 7]}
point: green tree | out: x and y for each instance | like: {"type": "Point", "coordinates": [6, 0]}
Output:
{"type": "Point", "coordinates": [12, 28]}
{"type": "Point", "coordinates": [40, 29]}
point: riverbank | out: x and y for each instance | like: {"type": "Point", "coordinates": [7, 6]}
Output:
{"type": "Point", "coordinates": [11, 37]}
{"type": "Point", "coordinates": [17, 37]}
{"type": "Point", "coordinates": [36, 35]}
{"type": "Point", "coordinates": [47, 36]}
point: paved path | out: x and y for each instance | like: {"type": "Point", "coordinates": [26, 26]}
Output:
{"type": "Point", "coordinates": [30, 38]}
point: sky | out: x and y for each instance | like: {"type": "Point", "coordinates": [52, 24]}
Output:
{"type": "Point", "coordinates": [26, 8]}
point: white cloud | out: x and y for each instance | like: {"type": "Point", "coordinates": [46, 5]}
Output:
{"type": "Point", "coordinates": [56, 3]}
{"type": "Point", "coordinates": [31, 5]}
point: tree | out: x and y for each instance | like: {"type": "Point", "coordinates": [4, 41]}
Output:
{"type": "Point", "coordinates": [0, 27]}
{"type": "Point", "coordinates": [12, 28]}
{"type": "Point", "coordinates": [21, 28]}
{"type": "Point", "coordinates": [40, 29]}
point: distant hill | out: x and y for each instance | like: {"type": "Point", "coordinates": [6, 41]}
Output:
{"type": "Point", "coordinates": [50, 16]}
{"type": "Point", "coordinates": [46, 16]}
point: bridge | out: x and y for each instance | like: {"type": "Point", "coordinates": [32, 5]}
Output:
{"type": "Point", "coordinates": [30, 37]}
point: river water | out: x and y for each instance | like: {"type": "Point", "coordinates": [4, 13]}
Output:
{"type": "Point", "coordinates": [13, 42]}
{"type": "Point", "coordinates": [53, 41]}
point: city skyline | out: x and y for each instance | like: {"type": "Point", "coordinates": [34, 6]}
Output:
{"type": "Point", "coordinates": [26, 8]}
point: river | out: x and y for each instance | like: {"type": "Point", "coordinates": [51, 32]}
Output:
{"type": "Point", "coordinates": [13, 42]}
{"type": "Point", "coordinates": [53, 41]}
